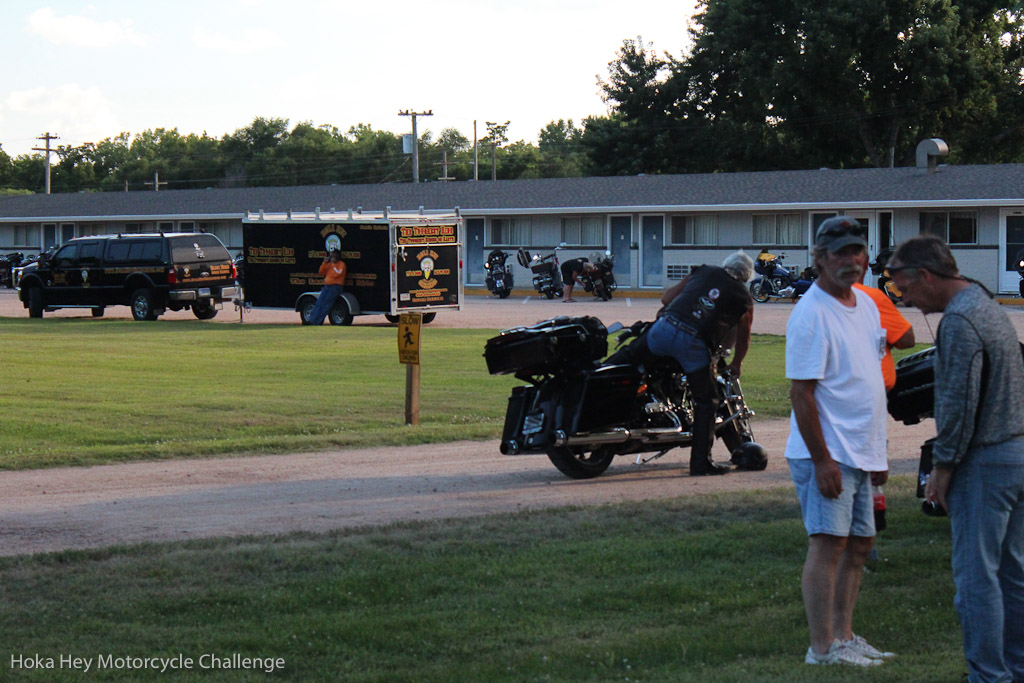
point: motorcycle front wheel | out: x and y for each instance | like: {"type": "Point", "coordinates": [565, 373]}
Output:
{"type": "Point", "coordinates": [757, 291]}
{"type": "Point", "coordinates": [577, 463]}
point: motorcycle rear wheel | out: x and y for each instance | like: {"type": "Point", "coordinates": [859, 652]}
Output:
{"type": "Point", "coordinates": [503, 293]}
{"type": "Point", "coordinates": [577, 463]}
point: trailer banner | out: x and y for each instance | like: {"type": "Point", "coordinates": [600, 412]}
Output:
{"type": "Point", "coordinates": [428, 276]}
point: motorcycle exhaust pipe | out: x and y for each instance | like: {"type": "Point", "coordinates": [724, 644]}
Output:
{"type": "Point", "coordinates": [618, 435]}
{"type": "Point", "coordinates": [509, 448]}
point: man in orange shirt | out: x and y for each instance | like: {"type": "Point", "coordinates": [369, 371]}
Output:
{"type": "Point", "coordinates": [333, 271]}
{"type": "Point", "coordinates": [899, 333]}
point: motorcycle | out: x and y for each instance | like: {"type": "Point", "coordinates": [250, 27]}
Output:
{"type": "Point", "coordinates": [777, 281]}
{"type": "Point", "coordinates": [582, 412]}
{"type": "Point", "coordinates": [499, 277]}
{"type": "Point", "coordinates": [8, 263]}
{"type": "Point", "coordinates": [885, 282]}
{"type": "Point", "coordinates": [547, 279]}
{"type": "Point", "coordinates": [600, 281]}
{"type": "Point", "coordinates": [28, 265]}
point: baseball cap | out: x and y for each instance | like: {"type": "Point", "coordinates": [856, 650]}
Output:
{"type": "Point", "coordinates": [838, 232]}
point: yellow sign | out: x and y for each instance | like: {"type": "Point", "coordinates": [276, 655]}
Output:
{"type": "Point", "coordinates": [409, 338]}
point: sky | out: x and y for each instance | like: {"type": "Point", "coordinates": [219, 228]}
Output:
{"type": "Point", "coordinates": [86, 71]}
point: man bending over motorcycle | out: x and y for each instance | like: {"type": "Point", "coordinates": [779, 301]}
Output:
{"type": "Point", "coordinates": [571, 272]}
{"type": "Point", "coordinates": [702, 312]}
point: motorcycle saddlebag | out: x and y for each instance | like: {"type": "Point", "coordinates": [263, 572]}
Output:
{"type": "Point", "coordinates": [542, 267]}
{"type": "Point", "coordinates": [547, 346]}
{"type": "Point", "coordinates": [606, 400]}
{"type": "Point", "coordinates": [913, 397]}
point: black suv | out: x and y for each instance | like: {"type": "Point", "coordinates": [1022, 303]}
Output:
{"type": "Point", "coordinates": [150, 273]}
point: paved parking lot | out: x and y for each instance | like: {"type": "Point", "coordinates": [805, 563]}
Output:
{"type": "Point", "coordinates": [480, 311]}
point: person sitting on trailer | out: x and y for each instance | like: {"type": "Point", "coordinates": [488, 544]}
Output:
{"type": "Point", "coordinates": [333, 271]}
{"type": "Point", "coordinates": [571, 271]}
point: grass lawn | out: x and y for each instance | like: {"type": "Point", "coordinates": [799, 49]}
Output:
{"type": "Point", "coordinates": [692, 589]}
{"type": "Point", "coordinates": [83, 391]}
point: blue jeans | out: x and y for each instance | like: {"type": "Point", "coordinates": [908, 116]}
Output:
{"type": "Point", "coordinates": [668, 338]}
{"type": "Point", "coordinates": [328, 295]}
{"type": "Point", "coordinates": [986, 509]}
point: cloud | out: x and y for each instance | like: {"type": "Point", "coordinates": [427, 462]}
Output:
{"type": "Point", "coordinates": [75, 113]}
{"type": "Point", "coordinates": [77, 31]}
{"type": "Point", "coordinates": [246, 42]}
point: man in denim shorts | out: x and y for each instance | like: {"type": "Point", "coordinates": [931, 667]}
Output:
{"type": "Point", "coordinates": [836, 448]}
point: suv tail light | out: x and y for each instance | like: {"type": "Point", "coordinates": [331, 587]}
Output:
{"type": "Point", "coordinates": [234, 271]}
{"type": "Point", "coordinates": [172, 276]}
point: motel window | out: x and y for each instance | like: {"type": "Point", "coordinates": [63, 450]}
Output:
{"type": "Point", "coordinates": [697, 230]}
{"type": "Point", "coordinates": [955, 227]}
{"type": "Point", "coordinates": [778, 229]}
{"type": "Point", "coordinates": [510, 232]}
{"type": "Point", "coordinates": [579, 230]}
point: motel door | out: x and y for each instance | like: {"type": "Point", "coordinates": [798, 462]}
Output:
{"type": "Point", "coordinates": [652, 255]}
{"type": "Point", "coordinates": [474, 251]}
{"type": "Point", "coordinates": [1011, 241]}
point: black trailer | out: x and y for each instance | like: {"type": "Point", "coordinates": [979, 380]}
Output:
{"type": "Point", "coordinates": [396, 262]}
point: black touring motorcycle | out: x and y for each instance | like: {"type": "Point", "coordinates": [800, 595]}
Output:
{"type": "Point", "coordinates": [582, 412]}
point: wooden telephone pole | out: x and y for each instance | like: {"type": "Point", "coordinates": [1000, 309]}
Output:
{"type": "Point", "coordinates": [46, 136]}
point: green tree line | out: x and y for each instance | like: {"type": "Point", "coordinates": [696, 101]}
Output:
{"type": "Point", "coordinates": [765, 85]}
{"type": "Point", "coordinates": [270, 152]}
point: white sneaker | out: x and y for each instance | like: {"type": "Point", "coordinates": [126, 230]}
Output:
{"type": "Point", "coordinates": [838, 654]}
{"type": "Point", "coordinates": [861, 646]}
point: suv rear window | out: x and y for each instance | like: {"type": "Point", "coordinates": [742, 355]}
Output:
{"type": "Point", "coordinates": [134, 250]}
{"type": "Point", "coordinates": [198, 247]}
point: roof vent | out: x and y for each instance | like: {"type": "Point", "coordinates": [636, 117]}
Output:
{"type": "Point", "coordinates": [927, 153]}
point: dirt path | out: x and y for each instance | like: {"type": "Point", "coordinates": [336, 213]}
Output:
{"type": "Point", "coordinates": [88, 507]}
{"type": "Point", "coordinates": [77, 507]}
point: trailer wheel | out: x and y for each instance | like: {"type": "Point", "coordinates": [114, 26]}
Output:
{"type": "Point", "coordinates": [429, 317]}
{"type": "Point", "coordinates": [306, 309]}
{"type": "Point", "coordinates": [393, 319]}
{"type": "Point", "coordinates": [340, 315]}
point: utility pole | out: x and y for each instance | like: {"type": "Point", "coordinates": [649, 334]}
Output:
{"type": "Point", "coordinates": [444, 164]}
{"type": "Point", "coordinates": [476, 155]}
{"type": "Point", "coordinates": [415, 141]}
{"type": "Point", "coordinates": [46, 136]}
{"type": "Point", "coordinates": [156, 181]}
{"type": "Point", "coordinates": [496, 132]}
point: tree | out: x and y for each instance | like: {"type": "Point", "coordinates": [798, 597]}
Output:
{"type": "Point", "coordinates": [636, 136]}
{"type": "Point", "coordinates": [497, 135]}
{"type": "Point", "coordinates": [560, 150]}
{"type": "Point", "coordinates": [800, 83]}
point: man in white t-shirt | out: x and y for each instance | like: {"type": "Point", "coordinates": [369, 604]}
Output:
{"type": "Point", "coordinates": [836, 449]}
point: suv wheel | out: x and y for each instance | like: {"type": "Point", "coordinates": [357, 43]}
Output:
{"type": "Point", "coordinates": [204, 311]}
{"type": "Point", "coordinates": [142, 305]}
{"type": "Point", "coordinates": [35, 303]}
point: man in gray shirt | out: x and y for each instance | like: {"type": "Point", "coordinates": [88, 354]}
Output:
{"type": "Point", "coordinates": [978, 455]}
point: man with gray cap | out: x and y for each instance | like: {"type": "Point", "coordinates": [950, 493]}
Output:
{"type": "Point", "coordinates": [836, 448]}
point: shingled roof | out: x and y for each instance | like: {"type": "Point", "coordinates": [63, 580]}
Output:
{"type": "Point", "coordinates": [991, 185]}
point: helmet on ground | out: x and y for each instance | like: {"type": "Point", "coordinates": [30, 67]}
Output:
{"type": "Point", "coordinates": [750, 456]}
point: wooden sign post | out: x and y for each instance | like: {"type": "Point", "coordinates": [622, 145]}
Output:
{"type": "Point", "coordinates": [409, 354]}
